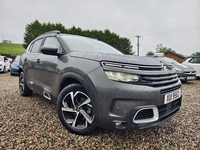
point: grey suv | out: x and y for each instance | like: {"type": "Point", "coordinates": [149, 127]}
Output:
{"type": "Point", "coordinates": [184, 72]}
{"type": "Point", "coordinates": [95, 85]}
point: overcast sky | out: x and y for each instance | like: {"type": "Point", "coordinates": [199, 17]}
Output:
{"type": "Point", "coordinates": [173, 23]}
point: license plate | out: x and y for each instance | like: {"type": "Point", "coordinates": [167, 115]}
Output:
{"type": "Point", "coordinates": [190, 78]}
{"type": "Point", "coordinates": [172, 96]}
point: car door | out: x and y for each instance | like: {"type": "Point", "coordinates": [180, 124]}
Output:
{"type": "Point", "coordinates": [47, 69]}
{"type": "Point", "coordinates": [29, 60]}
{"type": "Point", "coordinates": [7, 63]}
{"type": "Point", "coordinates": [195, 63]}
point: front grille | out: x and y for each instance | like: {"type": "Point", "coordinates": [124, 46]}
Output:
{"type": "Point", "coordinates": [159, 80]}
{"type": "Point", "coordinates": [151, 75]}
{"type": "Point", "coordinates": [144, 114]}
{"type": "Point", "coordinates": [190, 73]}
{"type": "Point", "coordinates": [164, 91]}
{"type": "Point", "coordinates": [132, 66]}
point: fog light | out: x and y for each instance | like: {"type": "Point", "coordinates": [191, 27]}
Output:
{"type": "Point", "coordinates": [118, 124]}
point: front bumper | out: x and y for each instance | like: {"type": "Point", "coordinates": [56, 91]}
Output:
{"type": "Point", "coordinates": [186, 77]}
{"type": "Point", "coordinates": [127, 106]}
{"type": "Point", "coordinates": [14, 71]}
{"type": "Point", "coordinates": [128, 122]}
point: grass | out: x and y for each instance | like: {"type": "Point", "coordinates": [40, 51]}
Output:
{"type": "Point", "coordinates": [12, 49]}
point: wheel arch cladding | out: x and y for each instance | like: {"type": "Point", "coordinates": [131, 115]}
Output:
{"type": "Point", "coordinates": [71, 77]}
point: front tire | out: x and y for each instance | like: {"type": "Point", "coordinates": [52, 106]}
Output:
{"type": "Point", "coordinates": [24, 90]}
{"type": "Point", "coordinates": [4, 69]}
{"type": "Point", "coordinates": [75, 110]}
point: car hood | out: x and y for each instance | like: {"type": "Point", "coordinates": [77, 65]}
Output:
{"type": "Point", "coordinates": [16, 63]}
{"type": "Point", "coordinates": [139, 60]}
{"type": "Point", "coordinates": [183, 67]}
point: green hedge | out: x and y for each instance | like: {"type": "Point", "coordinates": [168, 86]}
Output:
{"type": "Point", "coordinates": [11, 49]}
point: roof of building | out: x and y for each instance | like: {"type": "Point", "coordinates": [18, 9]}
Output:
{"type": "Point", "coordinates": [179, 55]}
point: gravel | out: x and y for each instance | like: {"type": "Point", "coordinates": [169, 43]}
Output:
{"type": "Point", "coordinates": [32, 123]}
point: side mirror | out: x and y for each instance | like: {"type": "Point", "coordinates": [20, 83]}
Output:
{"type": "Point", "coordinates": [49, 50]}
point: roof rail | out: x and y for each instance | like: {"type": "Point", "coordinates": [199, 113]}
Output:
{"type": "Point", "coordinates": [54, 31]}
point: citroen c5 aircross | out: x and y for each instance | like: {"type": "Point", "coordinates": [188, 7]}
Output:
{"type": "Point", "coordinates": [94, 85]}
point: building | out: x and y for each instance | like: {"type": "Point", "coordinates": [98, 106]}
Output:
{"type": "Point", "coordinates": [178, 57]}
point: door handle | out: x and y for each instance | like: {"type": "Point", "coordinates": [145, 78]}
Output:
{"type": "Point", "coordinates": [38, 60]}
{"type": "Point", "coordinates": [25, 59]}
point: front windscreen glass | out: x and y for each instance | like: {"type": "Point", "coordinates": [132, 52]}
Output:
{"type": "Point", "coordinates": [17, 58]}
{"type": "Point", "coordinates": [1, 59]}
{"type": "Point", "coordinates": [84, 44]}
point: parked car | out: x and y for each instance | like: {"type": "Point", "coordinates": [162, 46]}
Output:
{"type": "Point", "coordinates": [95, 85]}
{"type": "Point", "coordinates": [194, 62]}
{"type": "Point", "coordinates": [14, 67]}
{"type": "Point", "coordinates": [4, 64]}
{"type": "Point", "coordinates": [184, 72]}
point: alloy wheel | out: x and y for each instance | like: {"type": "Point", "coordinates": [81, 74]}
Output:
{"type": "Point", "coordinates": [77, 110]}
{"type": "Point", "coordinates": [21, 83]}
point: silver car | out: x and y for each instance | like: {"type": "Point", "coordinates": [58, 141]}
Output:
{"type": "Point", "coordinates": [184, 72]}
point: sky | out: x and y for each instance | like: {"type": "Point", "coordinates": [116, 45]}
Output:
{"type": "Point", "coordinates": [173, 23]}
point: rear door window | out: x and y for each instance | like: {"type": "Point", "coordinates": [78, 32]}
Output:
{"type": "Point", "coordinates": [35, 47]}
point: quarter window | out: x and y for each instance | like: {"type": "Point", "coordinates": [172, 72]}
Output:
{"type": "Point", "coordinates": [29, 47]}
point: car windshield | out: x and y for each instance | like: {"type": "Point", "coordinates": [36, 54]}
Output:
{"type": "Point", "coordinates": [17, 59]}
{"type": "Point", "coordinates": [168, 60]}
{"type": "Point", "coordinates": [84, 44]}
{"type": "Point", "coordinates": [1, 58]}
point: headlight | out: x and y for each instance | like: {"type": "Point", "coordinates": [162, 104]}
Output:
{"type": "Point", "coordinates": [179, 70]}
{"type": "Point", "coordinates": [122, 77]}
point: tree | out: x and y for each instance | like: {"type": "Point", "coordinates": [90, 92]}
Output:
{"type": "Point", "coordinates": [196, 54]}
{"type": "Point", "coordinates": [31, 32]}
{"type": "Point", "coordinates": [6, 41]}
{"type": "Point", "coordinates": [161, 49]}
{"type": "Point", "coordinates": [35, 28]}
{"type": "Point", "coordinates": [150, 53]}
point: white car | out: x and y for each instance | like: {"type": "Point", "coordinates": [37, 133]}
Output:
{"type": "Point", "coordinates": [194, 62]}
{"type": "Point", "coordinates": [4, 64]}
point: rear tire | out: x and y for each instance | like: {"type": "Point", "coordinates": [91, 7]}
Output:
{"type": "Point", "coordinates": [24, 90]}
{"type": "Point", "coordinates": [75, 110]}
